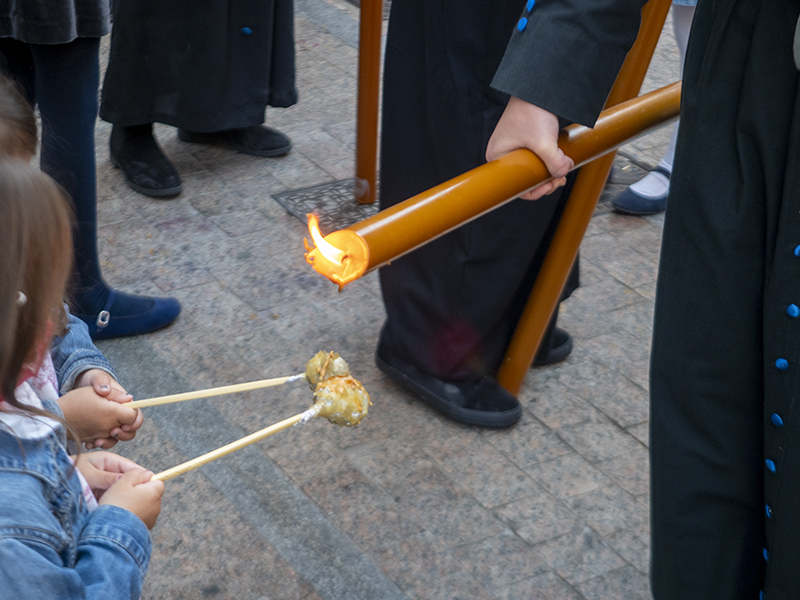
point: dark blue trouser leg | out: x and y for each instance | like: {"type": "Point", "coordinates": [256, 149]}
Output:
{"type": "Point", "coordinates": [63, 79]}
{"type": "Point", "coordinates": [67, 79]}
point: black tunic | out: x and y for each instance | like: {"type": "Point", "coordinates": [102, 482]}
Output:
{"type": "Point", "coordinates": [202, 65]}
{"type": "Point", "coordinates": [452, 305]}
{"type": "Point", "coordinates": [725, 437]}
{"type": "Point", "coordinates": [725, 434]}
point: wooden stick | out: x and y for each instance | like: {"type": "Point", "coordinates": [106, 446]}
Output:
{"type": "Point", "coordinates": [218, 391]}
{"type": "Point", "coordinates": [238, 444]}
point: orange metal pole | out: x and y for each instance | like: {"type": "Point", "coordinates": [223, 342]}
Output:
{"type": "Point", "coordinates": [369, 73]}
{"type": "Point", "coordinates": [389, 234]}
{"type": "Point", "coordinates": [586, 190]}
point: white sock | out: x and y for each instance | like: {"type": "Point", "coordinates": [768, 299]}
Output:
{"type": "Point", "coordinates": [652, 185]}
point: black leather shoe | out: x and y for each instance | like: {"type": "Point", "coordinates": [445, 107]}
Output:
{"type": "Point", "coordinates": [560, 349]}
{"type": "Point", "coordinates": [146, 168]}
{"type": "Point", "coordinates": [258, 140]}
{"type": "Point", "coordinates": [482, 402]}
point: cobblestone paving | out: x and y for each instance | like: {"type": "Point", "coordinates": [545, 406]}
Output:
{"type": "Point", "coordinates": [407, 505]}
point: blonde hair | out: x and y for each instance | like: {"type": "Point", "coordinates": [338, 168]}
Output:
{"type": "Point", "coordinates": [36, 250]}
{"type": "Point", "coordinates": [18, 131]}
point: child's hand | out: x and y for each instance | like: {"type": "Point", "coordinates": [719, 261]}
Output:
{"type": "Point", "coordinates": [104, 385]}
{"type": "Point", "coordinates": [134, 491]}
{"type": "Point", "coordinates": [102, 469]}
{"type": "Point", "coordinates": [108, 387]}
{"type": "Point", "coordinates": [100, 422]}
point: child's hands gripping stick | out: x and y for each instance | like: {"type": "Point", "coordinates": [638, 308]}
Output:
{"type": "Point", "coordinates": [108, 387]}
{"type": "Point", "coordinates": [95, 411]}
{"type": "Point", "coordinates": [134, 491]}
{"type": "Point", "coordinates": [101, 470]}
{"type": "Point", "coordinates": [104, 385]}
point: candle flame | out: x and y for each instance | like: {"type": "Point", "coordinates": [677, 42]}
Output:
{"type": "Point", "coordinates": [341, 256]}
{"type": "Point", "coordinates": [329, 251]}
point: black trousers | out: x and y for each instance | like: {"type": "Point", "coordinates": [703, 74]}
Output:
{"type": "Point", "coordinates": [62, 80]}
{"type": "Point", "coordinates": [725, 432]}
{"type": "Point", "coordinates": [453, 304]}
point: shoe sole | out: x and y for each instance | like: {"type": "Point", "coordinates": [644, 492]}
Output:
{"type": "Point", "coordinates": [629, 195]}
{"type": "Point", "coordinates": [195, 138]}
{"type": "Point", "coordinates": [152, 192]}
{"type": "Point", "coordinates": [456, 413]}
{"type": "Point", "coordinates": [636, 213]}
{"type": "Point", "coordinates": [556, 355]}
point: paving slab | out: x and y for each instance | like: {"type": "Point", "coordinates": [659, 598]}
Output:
{"type": "Point", "coordinates": [408, 504]}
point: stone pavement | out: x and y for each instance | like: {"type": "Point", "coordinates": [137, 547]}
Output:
{"type": "Point", "coordinates": [407, 505]}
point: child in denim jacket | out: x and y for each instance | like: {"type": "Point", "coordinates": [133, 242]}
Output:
{"type": "Point", "coordinates": [52, 545]}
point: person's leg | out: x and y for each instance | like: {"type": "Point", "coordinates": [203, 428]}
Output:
{"type": "Point", "coordinates": [452, 305]}
{"type": "Point", "coordinates": [649, 194]}
{"type": "Point", "coordinates": [132, 86]}
{"type": "Point", "coordinates": [147, 170]}
{"type": "Point", "coordinates": [67, 78]}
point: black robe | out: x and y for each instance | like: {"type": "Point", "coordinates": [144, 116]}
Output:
{"type": "Point", "coordinates": [453, 304]}
{"type": "Point", "coordinates": [201, 65]}
{"type": "Point", "coordinates": [724, 437]}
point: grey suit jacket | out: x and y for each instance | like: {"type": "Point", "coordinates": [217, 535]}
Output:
{"type": "Point", "coordinates": [565, 54]}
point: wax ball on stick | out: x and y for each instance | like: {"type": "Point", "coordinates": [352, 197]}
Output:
{"type": "Point", "coordinates": [342, 400]}
{"type": "Point", "coordinates": [324, 365]}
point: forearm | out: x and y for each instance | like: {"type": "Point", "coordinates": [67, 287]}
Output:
{"type": "Point", "coordinates": [112, 556]}
{"type": "Point", "coordinates": [75, 353]}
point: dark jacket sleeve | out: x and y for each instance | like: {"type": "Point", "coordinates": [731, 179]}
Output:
{"type": "Point", "coordinates": [565, 54]}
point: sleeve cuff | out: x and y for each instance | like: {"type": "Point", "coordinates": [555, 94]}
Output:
{"type": "Point", "coordinates": [78, 368]}
{"type": "Point", "coordinates": [567, 56]}
{"type": "Point", "coordinates": [116, 526]}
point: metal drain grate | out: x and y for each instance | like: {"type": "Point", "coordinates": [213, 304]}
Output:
{"type": "Point", "coordinates": [336, 207]}
{"type": "Point", "coordinates": [334, 204]}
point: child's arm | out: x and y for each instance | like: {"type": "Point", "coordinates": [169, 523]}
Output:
{"type": "Point", "coordinates": [113, 549]}
{"type": "Point", "coordinates": [78, 363]}
{"type": "Point", "coordinates": [113, 568]}
{"type": "Point", "coordinates": [75, 353]}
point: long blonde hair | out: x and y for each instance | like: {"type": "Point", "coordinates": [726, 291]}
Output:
{"type": "Point", "coordinates": [18, 131]}
{"type": "Point", "coordinates": [35, 263]}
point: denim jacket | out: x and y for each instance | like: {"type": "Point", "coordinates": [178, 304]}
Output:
{"type": "Point", "coordinates": [75, 353]}
{"type": "Point", "coordinates": [51, 546]}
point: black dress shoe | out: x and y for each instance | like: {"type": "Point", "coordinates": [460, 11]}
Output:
{"type": "Point", "coordinates": [482, 402]}
{"type": "Point", "coordinates": [560, 349]}
{"type": "Point", "coordinates": [258, 140]}
{"type": "Point", "coordinates": [146, 168]}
